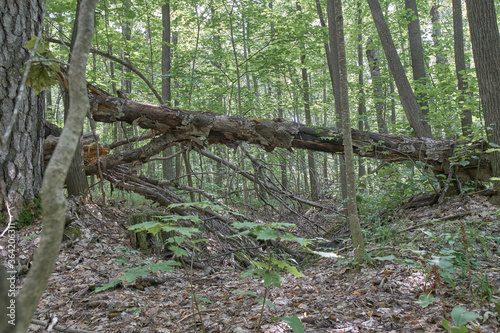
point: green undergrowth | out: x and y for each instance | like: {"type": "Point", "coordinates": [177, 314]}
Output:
{"type": "Point", "coordinates": [185, 243]}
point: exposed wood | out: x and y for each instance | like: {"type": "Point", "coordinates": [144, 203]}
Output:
{"type": "Point", "coordinates": [201, 128]}
{"type": "Point", "coordinates": [89, 148]}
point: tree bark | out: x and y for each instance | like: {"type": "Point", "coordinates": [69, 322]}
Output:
{"type": "Point", "coordinates": [201, 128]}
{"type": "Point", "coordinates": [378, 93]}
{"type": "Point", "coordinates": [458, 47]}
{"type": "Point", "coordinates": [335, 77]}
{"type": "Point", "coordinates": [21, 153]}
{"type": "Point", "coordinates": [76, 181]}
{"type": "Point", "coordinates": [417, 53]}
{"type": "Point", "coordinates": [311, 163]}
{"type": "Point", "coordinates": [486, 50]}
{"type": "Point", "coordinates": [166, 82]}
{"type": "Point", "coordinates": [437, 34]}
{"type": "Point", "coordinates": [406, 95]}
{"type": "Point", "coordinates": [53, 200]}
{"type": "Point", "coordinates": [352, 208]}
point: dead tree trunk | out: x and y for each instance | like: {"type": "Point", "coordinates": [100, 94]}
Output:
{"type": "Point", "coordinates": [202, 128]}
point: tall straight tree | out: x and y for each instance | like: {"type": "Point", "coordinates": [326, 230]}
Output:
{"type": "Point", "coordinates": [458, 46]}
{"type": "Point", "coordinates": [361, 89]}
{"type": "Point", "coordinates": [417, 53]}
{"type": "Point", "coordinates": [406, 95]}
{"type": "Point", "coordinates": [311, 163]}
{"type": "Point", "coordinates": [437, 33]}
{"type": "Point", "coordinates": [166, 81]}
{"type": "Point", "coordinates": [332, 59]}
{"type": "Point", "coordinates": [356, 233]}
{"type": "Point", "coordinates": [378, 89]}
{"type": "Point", "coordinates": [486, 50]}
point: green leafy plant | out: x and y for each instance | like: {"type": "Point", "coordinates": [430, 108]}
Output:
{"type": "Point", "coordinates": [32, 211]}
{"type": "Point", "coordinates": [269, 271]}
{"type": "Point", "coordinates": [133, 273]}
{"type": "Point", "coordinates": [460, 317]}
{"type": "Point", "coordinates": [425, 300]}
{"type": "Point", "coordinates": [293, 321]}
{"type": "Point", "coordinates": [44, 68]}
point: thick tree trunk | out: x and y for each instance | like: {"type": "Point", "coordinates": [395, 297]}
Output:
{"type": "Point", "coordinates": [21, 155]}
{"type": "Point", "coordinates": [486, 50]}
{"type": "Point", "coordinates": [201, 128]}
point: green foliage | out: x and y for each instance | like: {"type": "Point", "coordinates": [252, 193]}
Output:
{"type": "Point", "coordinates": [425, 300]}
{"type": "Point", "coordinates": [460, 317]}
{"type": "Point", "coordinates": [32, 211]}
{"type": "Point", "coordinates": [269, 271]}
{"type": "Point", "coordinates": [133, 273]}
{"type": "Point", "coordinates": [43, 70]}
{"type": "Point", "coordinates": [294, 323]}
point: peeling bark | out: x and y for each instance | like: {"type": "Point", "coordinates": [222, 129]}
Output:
{"type": "Point", "coordinates": [202, 128]}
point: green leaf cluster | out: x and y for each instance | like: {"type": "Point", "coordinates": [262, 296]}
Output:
{"type": "Point", "coordinates": [460, 317]}
{"type": "Point", "coordinates": [44, 69]}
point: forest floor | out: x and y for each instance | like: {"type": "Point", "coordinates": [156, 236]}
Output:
{"type": "Point", "coordinates": [333, 295]}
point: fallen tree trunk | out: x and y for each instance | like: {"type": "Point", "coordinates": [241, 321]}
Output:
{"type": "Point", "coordinates": [470, 162]}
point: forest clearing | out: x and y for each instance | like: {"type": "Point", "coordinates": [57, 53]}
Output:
{"type": "Point", "coordinates": [250, 166]}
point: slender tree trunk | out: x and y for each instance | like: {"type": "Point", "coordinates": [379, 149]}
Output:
{"type": "Point", "coordinates": [189, 172]}
{"type": "Point", "coordinates": [378, 90]}
{"type": "Point", "coordinates": [333, 67]}
{"type": "Point", "coordinates": [406, 95]}
{"type": "Point", "coordinates": [166, 82]}
{"type": "Point", "coordinates": [417, 54]}
{"type": "Point", "coordinates": [311, 163]}
{"type": "Point", "coordinates": [361, 90]}
{"type": "Point", "coordinates": [356, 233]}
{"type": "Point", "coordinates": [437, 34]}
{"type": "Point", "coordinates": [283, 165]}
{"type": "Point", "coordinates": [458, 40]}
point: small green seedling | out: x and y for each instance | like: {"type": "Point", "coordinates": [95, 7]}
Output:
{"type": "Point", "coordinates": [460, 317]}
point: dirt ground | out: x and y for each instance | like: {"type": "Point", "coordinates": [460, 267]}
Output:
{"type": "Point", "coordinates": [332, 296]}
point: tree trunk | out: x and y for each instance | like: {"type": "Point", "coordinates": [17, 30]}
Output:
{"type": "Point", "coordinates": [311, 163]}
{"type": "Point", "coordinates": [166, 82]}
{"type": "Point", "coordinates": [335, 77]}
{"type": "Point", "coordinates": [21, 153]}
{"type": "Point", "coordinates": [417, 54]}
{"type": "Point", "coordinates": [188, 126]}
{"type": "Point", "coordinates": [361, 89]}
{"type": "Point", "coordinates": [76, 181]}
{"type": "Point", "coordinates": [437, 34]}
{"type": "Point", "coordinates": [352, 208]}
{"type": "Point", "coordinates": [378, 91]}
{"type": "Point", "coordinates": [458, 41]}
{"type": "Point", "coordinates": [486, 50]}
{"type": "Point", "coordinates": [406, 95]}
{"type": "Point", "coordinates": [53, 200]}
